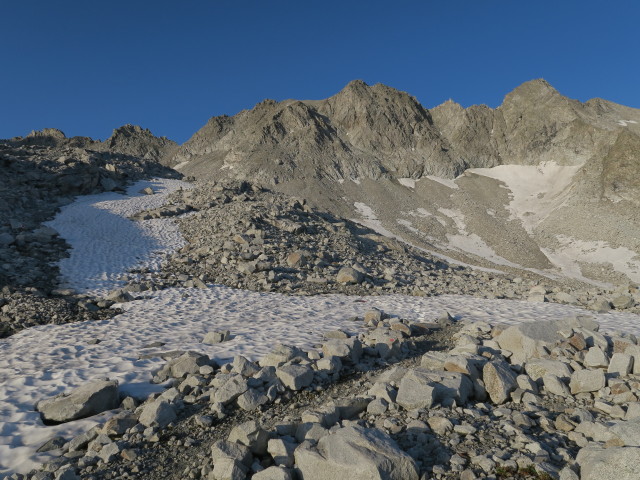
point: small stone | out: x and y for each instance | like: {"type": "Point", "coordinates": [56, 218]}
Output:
{"type": "Point", "coordinates": [212, 338]}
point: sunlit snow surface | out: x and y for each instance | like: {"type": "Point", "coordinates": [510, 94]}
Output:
{"type": "Point", "coordinates": [106, 243]}
{"type": "Point", "coordinates": [45, 360]}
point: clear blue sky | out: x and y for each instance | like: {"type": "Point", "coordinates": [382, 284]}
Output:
{"type": "Point", "coordinates": [87, 67]}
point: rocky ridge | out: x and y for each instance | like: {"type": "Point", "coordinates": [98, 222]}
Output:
{"type": "Point", "coordinates": [360, 145]}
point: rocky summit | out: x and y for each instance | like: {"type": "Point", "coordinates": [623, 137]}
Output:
{"type": "Point", "coordinates": [537, 183]}
{"type": "Point", "coordinates": [367, 194]}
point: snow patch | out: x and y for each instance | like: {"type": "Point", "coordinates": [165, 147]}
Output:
{"type": "Point", "coordinates": [574, 251]}
{"type": "Point", "coordinates": [370, 220]}
{"type": "Point", "coordinates": [407, 182]}
{"type": "Point", "coordinates": [180, 165]}
{"type": "Point", "coordinates": [471, 242]}
{"type": "Point", "coordinates": [457, 216]}
{"type": "Point", "coordinates": [536, 191]}
{"type": "Point", "coordinates": [105, 243]}
{"type": "Point", "coordinates": [444, 181]}
{"type": "Point", "coordinates": [625, 123]}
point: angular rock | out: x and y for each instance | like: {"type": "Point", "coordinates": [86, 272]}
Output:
{"type": "Point", "coordinates": [628, 431]}
{"type": "Point", "coordinates": [555, 385]}
{"type": "Point", "coordinates": [281, 354]}
{"type": "Point", "coordinates": [282, 451]}
{"type": "Point", "coordinates": [440, 425]}
{"type": "Point", "coordinates": [529, 340]}
{"type": "Point", "coordinates": [231, 389]}
{"type": "Point", "coordinates": [621, 363]}
{"type": "Point", "coordinates": [587, 381]}
{"type": "Point", "coordinates": [537, 368]}
{"type": "Point", "coordinates": [251, 435]}
{"type": "Point", "coordinates": [273, 473]}
{"type": "Point", "coordinates": [499, 380]}
{"type": "Point", "coordinates": [85, 401]}
{"type": "Point", "coordinates": [158, 414]}
{"type": "Point", "coordinates": [295, 377]}
{"type": "Point", "coordinates": [349, 275]}
{"type": "Point", "coordinates": [355, 453]}
{"type": "Point", "coordinates": [433, 360]}
{"type": "Point", "coordinates": [346, 349]}
{"type": "Point", "coordinates": [119, 424]}
{"type": "Point", "coordinates": [422, 388]}
{"type": "Point", "coordinates": [621, 463]}
{"type": "Point", "coordinates": [373, 317]}
{"type": "Point", "coordinates": [252, 399]}
{"type": "Point", "coordinates": [244, 366]}
{"type": "Point", "coordinates": [236, 451]}
{"type": "Point", "coordinates": [187, 363]}
{"type": "Point", "coordinates": [229, 469]}
{"type": "Point", "coordinates": [212, 338]}
{"type": "Point", "coordinates": [596, 358]}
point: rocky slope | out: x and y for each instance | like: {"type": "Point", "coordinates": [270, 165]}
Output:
{"type": "Point", "coordinates": [40, 173]}
{"type": "Point", "coordinates": [363, 144]}
{"type": "Point", "coordinates": [403, 400]}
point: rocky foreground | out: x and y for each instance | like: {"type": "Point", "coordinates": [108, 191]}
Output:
{"type": "Point", "coordinates": [403, 400]}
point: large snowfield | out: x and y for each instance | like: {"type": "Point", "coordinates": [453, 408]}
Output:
{"type": "Point", "coordinates": [46, 360]}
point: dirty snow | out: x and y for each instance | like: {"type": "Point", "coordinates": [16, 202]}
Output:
{"type": "Point", "coordinates": [574, 251]}
{"type": "Point", "coordinates": [443, 181]}
{"type": "Point", "coordinates": [407, 182]}
{"type": "Point", "coordinates": [536, 191]}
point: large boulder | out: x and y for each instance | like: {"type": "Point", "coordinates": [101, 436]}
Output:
{"type": "Point", "coordinates": [628, 431]}
{"type": "Point", "coordinates": [85, 401]}
{"type": "Point", "coordinates": [294, 376]}
{"type": "Point", "coordinates": [158, 413]}
{"type": "Point", "coordinates": [356, 453]}
{"type": "Point", "coordinates": [529, 340]}
{"type": "Point", "coordinates": [587, 381]}
{"type": "Point", "coordinates": [349, 275]}
{"type": "Point", "coordinates": [621, 463]}
{"type": "Point", "coordinates": [537, 368]}
{"type": "Point", "coordinates": [422, 388]}
{"type": "Point", "coordinates": [499, 380]}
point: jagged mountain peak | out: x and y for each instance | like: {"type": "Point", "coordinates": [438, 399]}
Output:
{"type": "Point", "coordinates": [48, 132]}
{"type": "Point", "coordinates": [535, 88]}
{"type": "Point", "coordinates": [139, 142]}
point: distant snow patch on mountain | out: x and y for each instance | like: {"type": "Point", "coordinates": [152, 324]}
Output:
{"type": "Point", "coordinates": [444, 181]}
{"type": "Point", "coordinates": [407, 182]}
{"type": "Point", "coordinates": [573, 251]}
{"type": "Point", "coordinates": [536, 190]}
{"type": "Point", "coordinates": [368, 218]}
